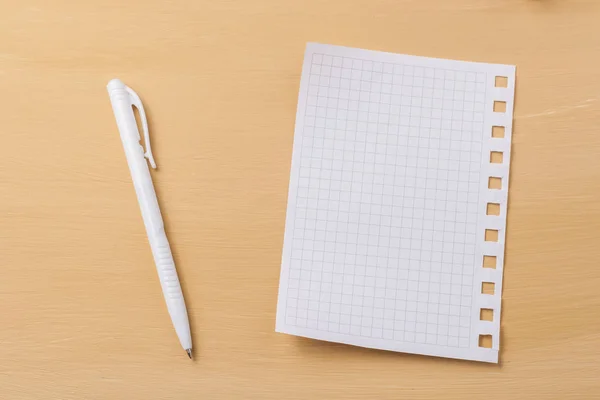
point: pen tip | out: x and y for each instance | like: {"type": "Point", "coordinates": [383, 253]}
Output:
{"type": "Point", "coordinates": [189, 353]}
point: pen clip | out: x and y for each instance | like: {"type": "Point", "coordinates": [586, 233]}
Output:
{"type": "Point", "coordinates": [135, 100]}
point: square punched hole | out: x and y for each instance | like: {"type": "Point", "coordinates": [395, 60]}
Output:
{"type": "Point", "coordinates": [488, 288]}
{"type": "Point", "coordinates": [495, 183]}
{"type": "Point", "coordinates": [493, 209]}
{"type": "Point", "coordinates": [496, 157]}
{"type": "Point", "coordinates": [485, 341]}
{"type": "Point", "coordinates": [491, 235]}
{"type": "Point", "coordinates": [486, 314]}
{"type": "Point", "coordinates": [489, 262]}
{"type": "Point", "coordinates": [498, 131]}
{"type": "Point", "coordinates": [501, 81]}
{"type": "Point", "coordinates": [499, 106]}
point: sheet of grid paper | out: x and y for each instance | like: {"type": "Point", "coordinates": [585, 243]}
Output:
{"type": "Point", "coordinates": [389, 199]}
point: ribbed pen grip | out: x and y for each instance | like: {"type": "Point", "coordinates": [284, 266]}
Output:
{"type": "Point", "coordinates": [167, 272]}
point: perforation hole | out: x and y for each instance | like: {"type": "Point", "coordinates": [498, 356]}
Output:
{"type": "Point", "coordinates": [485, 341]}
{"type": "Point", "coordinates": [501, 81]}
{"type": "Point", "coordinates": [498, 131]}
{"type": "Point", "coordinates": [489, 262]}
{"type": "Point", "coordinates": [500, 106]}
{"type": "Point", "coordinates": [495, 183]}
{"type": "Point", "coordinates": [493, 209]}
{"type": "Point", "coordinates": [488, 288]}
{"type": "Point", "coordinates": [496, 157]}
{"type": "Point", "coordinates": [486, 314]}
{"type": "Point", "coordinates": [491, 235]}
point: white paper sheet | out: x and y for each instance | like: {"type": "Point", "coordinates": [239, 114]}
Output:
{"type": "Point", "coordinates": [388, 202]}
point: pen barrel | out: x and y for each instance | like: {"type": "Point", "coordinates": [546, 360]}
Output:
{"type": "Point", "coordinates": [153, 222]}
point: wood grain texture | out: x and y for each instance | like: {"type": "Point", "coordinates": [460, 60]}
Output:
{"type": "Point", "coordinates": [81, 312]}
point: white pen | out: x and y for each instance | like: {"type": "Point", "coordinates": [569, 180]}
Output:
{"type": "Point", "coordinates": [122, 99]}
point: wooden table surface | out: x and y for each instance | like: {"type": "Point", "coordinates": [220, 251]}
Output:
{"type": "Point", "coordinates": [82, 316]}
